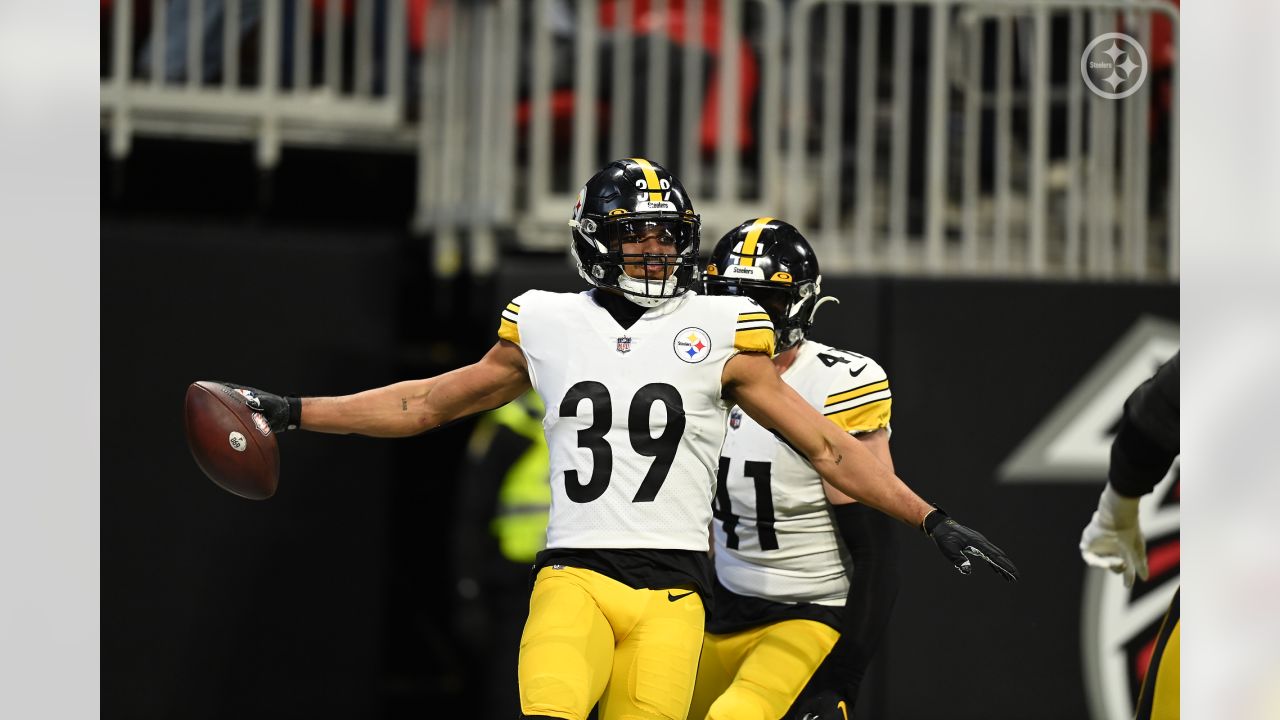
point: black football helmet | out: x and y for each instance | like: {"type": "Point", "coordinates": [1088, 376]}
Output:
{"type": "Point", "coordinates": [630, 198]}
{"type": "Point", "coordinates": [770, 262]}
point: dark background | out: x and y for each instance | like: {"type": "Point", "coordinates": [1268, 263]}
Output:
{"type": "Point", "coordinates": [334, 598]}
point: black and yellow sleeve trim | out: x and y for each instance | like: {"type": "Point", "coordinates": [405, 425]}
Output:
{"type": "Point", "coordinates": [509, 325]}
{"type": "Point", "coordinates": [754, 332]}
{"type": "Point", "coordinates": [860, 409]}
{"type": "Point", "coordinates": [864, 418]}
{"type": "Point", "coordinates": [857, 392]}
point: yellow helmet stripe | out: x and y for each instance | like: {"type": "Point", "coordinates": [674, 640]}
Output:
{"type": "Point", "coordinates": [650, 179]}
{"type": "Point", "coordinates": [753, 236]}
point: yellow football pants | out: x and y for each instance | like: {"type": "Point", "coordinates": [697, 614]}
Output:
{"type": "Point", "coordinates": [590, 638]}
{"type": "Point", "coordinates": [756, 674]}
{"type": "Point", "coordinates": [1160, 698]}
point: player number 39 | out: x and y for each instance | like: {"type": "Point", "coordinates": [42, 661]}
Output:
{"type": "Point", "coordinates": [661, 448]}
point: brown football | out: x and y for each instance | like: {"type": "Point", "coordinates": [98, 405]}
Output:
{"type": "Point", "coordinates": [230, 441]}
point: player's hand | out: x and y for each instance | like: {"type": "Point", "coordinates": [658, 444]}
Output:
{"type": "Point", "coordinates": [826, 705]}
{"type": "Point", "coordinates": [1113, 538]}
{"type": "Point", "coordinates": [282, 412]}
{"type": "Point", "coordinates": [959, 543]}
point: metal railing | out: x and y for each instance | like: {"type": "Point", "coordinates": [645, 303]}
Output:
{"type": "Point", "coordinates": [1077, 212]}
{"type": "Point", "coordinates": [670, 75]}
{"type": "Point", "coordinates": [355, 96]}
{"type": "Point", "coordinates": [909, 136]}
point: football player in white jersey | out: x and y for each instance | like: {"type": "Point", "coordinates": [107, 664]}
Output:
{"type": "Point", "coordinates": [805, 577]}
{"type": "Point", "coordinates": [637, 376]}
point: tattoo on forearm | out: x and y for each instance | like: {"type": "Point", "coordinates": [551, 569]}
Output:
{"type": "Point", "coordinates": [839, 458]}
{"type": "Point", "coordinates": [404, 404]}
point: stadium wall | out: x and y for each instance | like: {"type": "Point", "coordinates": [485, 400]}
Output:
{"type": "Point", "coordinates": [330, 600]}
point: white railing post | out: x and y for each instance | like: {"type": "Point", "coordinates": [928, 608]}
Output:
{"type": "Point", "coordinates": [159, 41]}
{"type": "Point", "coordinates": [938, 141]}
{"type": "Point", "coordinates": [122, 78]}
{"type": "Point", "coordinates": [1075, 169]}
{"type": "Point", "coordinates": [728, 67]}
{"type": "Point", "coordinates": [585, 88]}
{"type": "Point", "coordinates": [691, 100]}
{"type": "Point", "coordinates": [658, 73]}
{"type": "Point", "coordinates": [231, 45]}
{"type": "Point", "coordinates": [268, 151]}
{"type": "Point", "coordinates": [1038, 160]}
{"type": "Point", "coordinates": [865, 160]}
{"type": "Point", "coordinates": [622, 84]}
{"type": "Point", "coordinates": [829, 209]}
{"type": "Point", "coordinates": [900, 110]}
{"type": "Point", "coordinates": [972, 180]}
{"type": "Point", "coordinates": [195, 44]}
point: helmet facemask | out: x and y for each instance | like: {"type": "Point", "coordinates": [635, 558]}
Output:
{"type": "Point", "coordinates": [654, 277]}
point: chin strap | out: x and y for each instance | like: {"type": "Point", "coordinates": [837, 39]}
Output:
{"type": "Point", "coordinates": [637, 290]}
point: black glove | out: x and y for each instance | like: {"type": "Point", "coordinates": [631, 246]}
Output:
{"type": "Point", "coordinates": [958, 542]}
{"type": "Point", "coordinates": [282, 412]}
{"type": "Point", "coordinates": [825, 705]}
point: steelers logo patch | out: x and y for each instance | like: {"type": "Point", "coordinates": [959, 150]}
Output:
{"type": "Point", "coordinates": [692, 345]}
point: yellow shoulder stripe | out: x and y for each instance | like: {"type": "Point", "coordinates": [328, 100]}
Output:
{"type": "Point", "coordinates": [864, 418]}
{"type": "Point", "coordinates": [857, 392]}
{"type": "Point", "coordinates": [756, 340]}
{"type": "Point", "coordinates": [745, 317]}
{"type": "Point", "coordinates": [508, 330]}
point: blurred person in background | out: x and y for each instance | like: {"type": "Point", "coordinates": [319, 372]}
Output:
{"type": "Point", "coordinates": [504, 499]}
{"type": "Point", "coordinates": [248, 16]}
{"type": "Point", "coordinates": [1144, 449]}
{"type": "Point", "coordinates": [806, 578]}
{"type": "Point", "coordinates": [640, 374]}
{"type": "Point", "coordinates": [176, 37]}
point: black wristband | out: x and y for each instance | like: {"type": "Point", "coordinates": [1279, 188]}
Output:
{"type": "Point", "coordinates": [935, 518]}
{"type": "Point", "coordinates": [295, 411]}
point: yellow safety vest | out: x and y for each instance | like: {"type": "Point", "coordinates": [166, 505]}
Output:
{"type": "Point", "coordinates": [524, 499]}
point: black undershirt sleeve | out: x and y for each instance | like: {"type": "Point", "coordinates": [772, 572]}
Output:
{"type": "Point", "coordinates": [873, 588]}
{"type": "Point", "coordinates": [1147, 440]}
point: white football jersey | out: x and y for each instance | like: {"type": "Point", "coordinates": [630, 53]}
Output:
{"type": "Point", "coordinates": [634, 418]}
{"type": "Point", "coordinates": [775, 537]}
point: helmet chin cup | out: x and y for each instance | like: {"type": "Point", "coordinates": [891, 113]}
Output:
{"type": "Point", "coordinates": [641, 292]}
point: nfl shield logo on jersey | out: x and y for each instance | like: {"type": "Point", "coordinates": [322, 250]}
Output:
{"type": "Point", "coordinates": [624, 344]}
{"type": "Point", "coordinates": [735, 418]}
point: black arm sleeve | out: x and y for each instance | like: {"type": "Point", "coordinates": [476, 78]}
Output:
{"type": "Point", "coordinates": [1147, 440]}
{"type": "Point", "coordinates": [873, 588]}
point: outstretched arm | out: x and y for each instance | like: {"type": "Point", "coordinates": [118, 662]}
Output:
{"type": "Point", "coordinates": [410, 407]}
{"type": "Point", "coordinates": [750, 380]}
{"type": "Point", "coordinates": [415, 406]}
